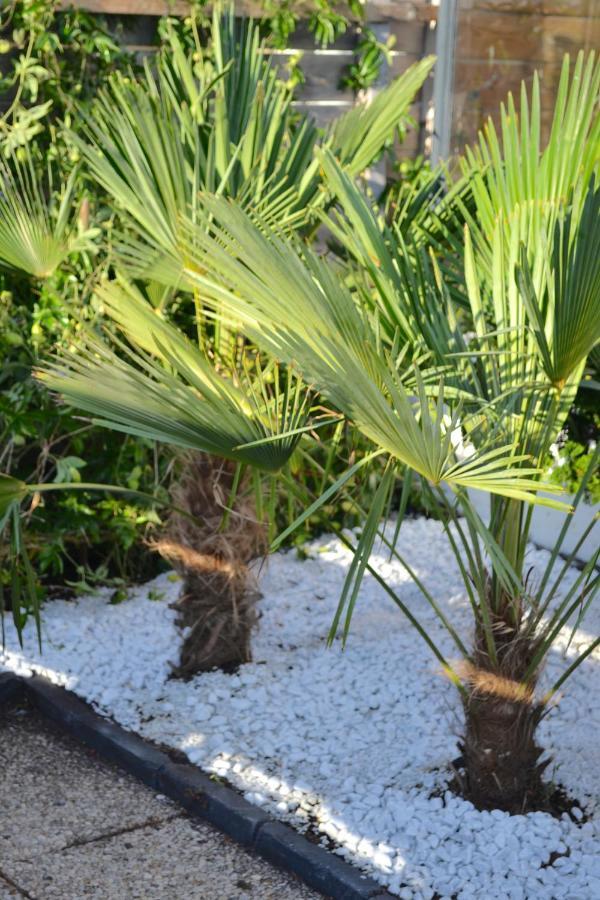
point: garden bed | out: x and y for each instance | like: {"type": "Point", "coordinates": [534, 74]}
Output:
{"type": "Point", "coordinates": [351, 745]}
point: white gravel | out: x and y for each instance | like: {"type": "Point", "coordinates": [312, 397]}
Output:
{"type": "Point", "coordinates": [351, 742]}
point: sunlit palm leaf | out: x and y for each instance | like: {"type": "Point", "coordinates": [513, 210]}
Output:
{"type": "Point", "coordinates": [298, 309]}
{"type": "Point", "coordinates": [163, 387]}
{"type": "Point", "coordinates": [360, 134]}
{"type": "Point", "coordinates": [576, 289]}
{"type": "Point", "coordinates": [220, 121]}
{"type": "Point", "coordinates": [223, 122]}
{"type": "Point", "coordinates": [407, 293]}
{"type": "Point", "coordinates": [514, 169]}
{"type": "Point", "coordinates": [37, 233]}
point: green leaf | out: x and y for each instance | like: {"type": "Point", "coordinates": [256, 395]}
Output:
{"type": "Point", "coordinates": [12, 491]}
{"type": "Point", "coordinates": [336, 347]}
{"type": "Point", "coordinates": [36, 236]}
{"type": "Point", "coordinates": [359, 135]}
{"type": "Point", "coordinates": [166, 389]}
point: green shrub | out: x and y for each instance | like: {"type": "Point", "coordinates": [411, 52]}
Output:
{"type": "Point", "coordinates": [570, 462]}
{"type": "Point", "coordinates": [70, 535]}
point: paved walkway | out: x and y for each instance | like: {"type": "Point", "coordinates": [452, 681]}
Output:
{"type": "Point", "coordinates": [73, 827]}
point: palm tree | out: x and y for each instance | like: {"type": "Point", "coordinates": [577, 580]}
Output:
{"type": "Point", "coordinates": [467, 391]}
{"type": "Point", "coordinates": [221, 121]}
{"type": "Point", "coordinates": [394, 353]}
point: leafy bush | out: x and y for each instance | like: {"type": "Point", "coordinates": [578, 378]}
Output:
{"type": "Point", "coordinates": [70, 536]}
{"type": "Point", "coordinates": [570, 463]}
{"type": "Point", "coordinates": [56, 60]}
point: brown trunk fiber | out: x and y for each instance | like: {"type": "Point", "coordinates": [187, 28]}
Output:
{"type": "Point", "coordinates": [500, 754]}
{"type": "Point", "coordinates": [217, 606]}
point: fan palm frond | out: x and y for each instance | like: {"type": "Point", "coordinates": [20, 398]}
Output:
{"type": "Point", "coordinates": [295, 306]}
{"type": "Point", "coordinates": [566, 319]}
{"type": "Point", "coordinates": [360, 134]}
{"type": "Point", "coordinates": [162, 386]}
{"type": "Point", "coordinates": [37, 231]}
{"type": "Point", "coordinates": [225, 123]}
{"type": "Point", "coordinates": [514, 170]}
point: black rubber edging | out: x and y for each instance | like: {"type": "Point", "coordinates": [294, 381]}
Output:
{"type": "Point", "coordinates": [195, 791]}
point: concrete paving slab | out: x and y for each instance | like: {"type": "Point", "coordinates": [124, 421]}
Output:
{"type": "Point", "coordinates": [8, 892]}
{"type": "Point", "coordinates": [177, 859]}
{"type": "Point", "coordinates": [73, 827]}
{"type": "Point", "coordinates": [54, 792]}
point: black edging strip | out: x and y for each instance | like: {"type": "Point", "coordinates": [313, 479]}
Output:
{"type": "Point", "coordinates": [196, 792]}
{"type": "Point", "coordinates": [11, 688]}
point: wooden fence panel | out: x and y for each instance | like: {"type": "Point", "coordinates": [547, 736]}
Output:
{"type": "Point", "coordinates": [501, 43]}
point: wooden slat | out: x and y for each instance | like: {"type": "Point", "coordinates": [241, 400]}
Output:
{"type": "Point", "coordinates": [129, 7]}
{"type": "Point", "coordinates": [379, 10]}
{"type": "Point", "coordinates": [538, 7]}
{"type": "Point", "coordinates": [303, 38]}
{"type": "Point", "coordinates": [324, 113]}
{"type": "Point", "coordinates": [409, 36]}
{"type": "Point", "coordinates": [148, 7]}
{"type": "Point", "coordinates": [322, 76]}
{"type": "Point", "coordinates": [489, 35]}
{"type": "Point", "coordinates": [399, 11]}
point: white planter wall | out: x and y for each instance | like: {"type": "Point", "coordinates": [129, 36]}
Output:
{"type": "Point", "coordinates": [546, 524]}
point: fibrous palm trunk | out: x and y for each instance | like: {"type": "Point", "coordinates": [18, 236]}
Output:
{"type": "Point", "coordinates": [500, 755]}
{"type": "Point", "coordinates": [212, 552]}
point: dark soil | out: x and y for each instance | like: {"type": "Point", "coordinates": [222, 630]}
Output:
{"type": "Point", "coordinates": [553, 799]}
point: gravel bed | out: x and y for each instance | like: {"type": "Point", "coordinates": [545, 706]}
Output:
{"type": "Point", "coordinates": [353, 743]}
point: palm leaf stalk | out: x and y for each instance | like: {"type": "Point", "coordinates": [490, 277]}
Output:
{"type": "Point", "coordinates": [471, 402]}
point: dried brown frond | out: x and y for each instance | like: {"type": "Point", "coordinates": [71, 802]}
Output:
{"type": "Point", "coordinates": [484, 682]}
{"type": "Point", "coordinates": [190, 560]}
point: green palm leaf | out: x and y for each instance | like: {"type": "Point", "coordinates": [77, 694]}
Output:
{"type": "Point", "coordinates": [299, 310]}
{"type": "Point", "coordinates": [36, 233]}
{"type": "Point", "coordinates": [223, 122]}
{"type": "Point", "coordinates": [360, 134]}
{"type": "Point", "coordinates": [161, 386]}
{"type": "Point", "coordinates": [576, 289]}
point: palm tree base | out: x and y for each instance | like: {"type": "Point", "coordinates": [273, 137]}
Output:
{"type": "Point", "coordinates": [500, 756]}
{"type": "Point", "coordinates": [218, 626]}
{"type": "Point", "coordinates": [211, 551]}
